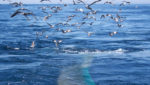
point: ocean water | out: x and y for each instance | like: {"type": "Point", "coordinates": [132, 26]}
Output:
{"type": "Point", "coordinates": [123, 59]}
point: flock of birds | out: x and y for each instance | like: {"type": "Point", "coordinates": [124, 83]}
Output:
{"type": "Point", "coordinates": [88, 14]}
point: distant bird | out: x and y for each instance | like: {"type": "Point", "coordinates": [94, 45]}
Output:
{"type": "Point", "coordinates": [124, 3]}
{"type": "Point", "coordinates": [58, 29]}
{"type": "Point", "coordinates": [85, 17]}
{"type": "Point", "coordinates": [127, 2]}
{"type": "Point", "coordinates": [22, 13]}
{"type": "Point", "coordinates": [119, 25]}
{"type": "Point", "coordinates": [26, 14]}
{"type": "Point", "coordinates": [88, 6]}
{"type": "Point", "coordinates": [113, 33]}
{"type": "Point", "coordinates": [70, 18]}
{"type": "Point", "coordinates": [90, 33]}
{"type": "Point", "coordinates": [45, 0]}
{"type": "Point", "coordinates": [92, 17]}
{"type": "Point", "coordinates": [119, 17]}
{"type": "Point", "coordinates": [73, 24]}
{"type": "Point", "coordinates": [80, 10]}
{"type": "Point", "coordinates": [16, 48]}
{"type": "Point", "coordinates": [66, 31]}
{"type": "Point", "coordinates": [57, 42]}
{"type": "Point", "coordinates": [16, 4]}
{"type": "Point", "coordinates": [46, 36]}
{"type": "Point", "coordinates": [47, 17]}
{"type": "Point", "coordinates": [120, 10]}
{"type": "Point", "coordinates": [43, 8]}
{"type": "Point", "coordinates": [93, 3]}
{"type": "Point", "coordinates": [50, 25]}
{"type": "Point", "coordinates": [74, 3]}
{"type": "Point", "coordinates": [91, 23]}
{"type": "Point", "coordinates": [102, 16]}
{"type": "Point", "coordinates": [23, 9]}
{"type": "Point", "coordinates": [65, 4]}
{"type": "Point", "coordinates": [33, 44]}
{"type": "Point", "coordinates": [82, 23]}
{"type": "Point", "coordinates": [55, 9]}
{"type": "Point", "coordinates": [109, 15]}
{"type": "Point", "coordinates": [39, 33]}
{"type": "Point", "coordinates": [116, 19]}
{"type": "Point", "coordinates": [108, 2]}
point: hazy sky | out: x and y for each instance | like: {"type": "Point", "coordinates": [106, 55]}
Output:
{"type": "Point", "coordinates": [70, 1]}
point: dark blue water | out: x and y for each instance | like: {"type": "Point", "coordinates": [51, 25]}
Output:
{"type": "Point", "coordinates": [123, 59]}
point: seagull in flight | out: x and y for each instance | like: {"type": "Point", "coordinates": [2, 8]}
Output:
{"type": "Point", "coordinates": [45, 0]}
{"type": "Point", "coordinates": [57, 42]}
{"type": "Point", "coordinates": [88, 6]}
{"type": "Point", "coordinates": [26, 14]}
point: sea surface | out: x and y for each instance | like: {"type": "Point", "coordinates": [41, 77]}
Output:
{"type": "Point", "coordinates": [122, 59]}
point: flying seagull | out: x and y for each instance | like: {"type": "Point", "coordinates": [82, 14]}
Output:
{"type": "Point", "coordinates": [26, 14]}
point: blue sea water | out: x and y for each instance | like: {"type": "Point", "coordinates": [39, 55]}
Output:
{"type": "Point", "coordinates": [123, 59]}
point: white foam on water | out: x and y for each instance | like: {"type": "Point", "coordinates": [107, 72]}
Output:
{"type": "Point", "coordinates": [120, 51]}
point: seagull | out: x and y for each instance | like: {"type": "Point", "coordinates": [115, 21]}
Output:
{"type": "Point", "coordinates": [124, 3]}
{"type": "Point", "coordinates": [113, 33]}
{"type": "Point", "coordinates": [74, 3]}
{"type": "Point", "coordinates": [47, 17]}
{"type": "Point", "coordinates": [80, 10]}
{"type": "Point", "coordinates": [89, 6]}
{"type": "Point", "coordinates": [118, 16]}
{"type": "Point", "coordinates": [66, 31]}
{"type": "Point", "coordinates": [93, 3]}
{"type": "Point", "coordinates": [65, 4]}
{"type": "Point", "coordinates": [46, 36]}
{"type": "Point", "coordinates": [22, 9]}
{"type": "Point", "coordinates": [45, 0]}
{"type": "Point", "coordinates": [109, 15]}
{"type": "Point", "coordinates": [16, 48]}
{"type": "Point", "coordinates": [55, 9]}
{"type": "Point", "coordinates": [57, 42]}
{"type": "Point", "coordinates": [33, 44]}
{"type": "Point", "coordinates": [91, 23]}
{"type": "Point", "coordinates": [51, 26]}
{"type": "Point", "coordinates": [16, 4]}
{"type": "Point", "coordinates": [108, 2]}
{"type": "Point", "coordinates": [103, 16]}
{"type": "Point", "coordinates": [70, 18]}
{"type": "Point", "coordinates": [23, 13]}
{"type": "Point", "coordinates": [119, 25]}
{"type": "Point", "coordinates": [120, 10]}
{"type": "Point", "coordinates": [90, 33]}
{"type": "Point", "coordinates": [26, 14]}
{"type": "Point", "coordinates": [116, 19]}
{"type": "Point", "coordinates": [92, 17]}
{"type": "Point", "coordinates": [127, 2]}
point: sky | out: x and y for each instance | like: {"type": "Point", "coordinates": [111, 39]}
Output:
{"type": "Point", "coordinates": [70, 1]}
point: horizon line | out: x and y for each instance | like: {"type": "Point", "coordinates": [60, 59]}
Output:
{"type": "Point", "coordinates": [81, 4]}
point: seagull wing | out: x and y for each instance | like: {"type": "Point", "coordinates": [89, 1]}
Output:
{"type": "Point", "coordinates": [82, 2]}
{"type": "Point", "coordinates": [74, 3]}
{"type": "Point", "coordinates": [14, 14]}
{"type": "Point", "coordinates": [93, 3]}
